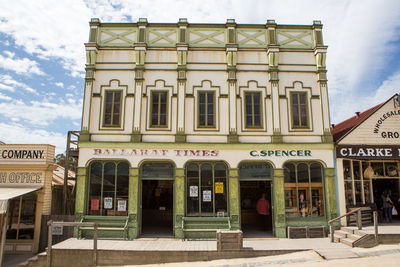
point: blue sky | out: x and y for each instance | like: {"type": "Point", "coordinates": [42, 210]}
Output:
{"type": "Point", "coordinates": [42, 53]}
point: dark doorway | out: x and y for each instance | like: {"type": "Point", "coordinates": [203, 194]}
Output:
{"type": "Point", "coordinates": [254, 224]}
{"type": "Point", "coordinates": [157, 208]}
{"type": "Point", "coordinates": [391, 187]}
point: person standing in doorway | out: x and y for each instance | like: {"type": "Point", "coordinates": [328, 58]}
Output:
{"type": "Point", "coordinates": [263, 211]}
{"type": "Point", "coordinates": [387, 206]}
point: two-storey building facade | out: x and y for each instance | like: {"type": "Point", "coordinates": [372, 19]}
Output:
{"type": "Point", "coordinates": [186, 125]}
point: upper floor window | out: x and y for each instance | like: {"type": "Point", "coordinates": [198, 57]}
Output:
{"type": "Point", "coordinates": [299, 110]}
{"type": "Point", "coordinates": [112, 109]}
{"type": "Point", "coordinates": [206, 109]}
{"type": "Point", "coordinates": [253, 109]}
{"type": "Point", "coordinates": [159, 109]}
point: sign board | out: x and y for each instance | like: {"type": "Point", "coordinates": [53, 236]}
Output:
{"type": "Point", "coordinates": [368, 152]}
{"type": "Point", "coordinates": [121, 205]}
{"type": "Point", "coordinates": [108, 202]}
{"type": "Point", "coordinates": [26, 154]}
{"type": "Point", "coordinates": [207, 196]}
{"type": "Point", "coordinates": [219, 188]}
{"type": "Point", "coordinates": [193, 191]}
{"type": "Point", "coordinates": [21, 178]}
{"type": "Point", "coordinates": [94, 204]}
{"type": "Point", "coordinates": [57, 230]}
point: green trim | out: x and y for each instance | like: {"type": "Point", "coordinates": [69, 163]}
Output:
{"type": "Point", "coordinates": [123, 34]}
{"type": "Point", "coordinates": [159, 36]}
{"type": "Point", "coordinates": [251, 38]}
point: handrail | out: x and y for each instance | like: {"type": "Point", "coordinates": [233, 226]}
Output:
{"type": "Point", "coordinates": [358, 220]}
{"type": "Point", "coordinates": [50, 224]}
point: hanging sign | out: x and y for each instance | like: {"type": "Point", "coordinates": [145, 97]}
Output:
{"type": "Point", "coordinates": [121, 205]}
{"type": "Point", "coordinates": [108, 202]}
{"type": "Point", "coordinates": [219, 188]}
{"type": "Point", "coordinates": [193, 191]}
{"type": "Point", "coordinates": [207, 196]}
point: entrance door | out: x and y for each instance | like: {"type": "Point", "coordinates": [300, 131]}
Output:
{"type": "Point", "coordinates": [157, 208]}
{"type": "Point", "coordinates": [383, 187]}
{"type": "Point", "coordinates": [254, 224]}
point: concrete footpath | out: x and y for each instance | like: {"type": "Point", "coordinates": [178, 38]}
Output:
{"type": "Point", "coordinates": [382, 255]}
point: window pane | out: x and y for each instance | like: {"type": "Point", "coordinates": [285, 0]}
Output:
{"type": "Point", "coordinates": [348, 188]}
{"type": "Point", "coordinates": [210, 97]}
{"type": "Point", "coordinates": [122, 189]}
{"type": "Point", "coordinates": [192, 181]}
{"type": "Point", "coordinates": [303, 109]}
{"type": "Point", "coordinates": [202, 109]}
{"type": "Point", "coordinates": [220, 189]}
{"type": "Point", "coordinates": [202, 98]}
{"type": "Point", "coordinates": [358, 192]}
{"type": "Point", "coordinates": [108, 188]}
{"type": "Point", "coordinates": [391, 169]}
{"type": "Point", "coordinates": [304, 201]}
{"type": "Point", "coordinates": [356, 170]}
{"type": "Point", "coordinates": [206, 190]}
{"type": "Point", "coordinates": [291, 201]}
{"type": "Point", "coordinates": [302, 173]}
{"type": "Point", "coordinates": [367, 192]}
{"type": "Point", "coordinates": [157, 170]}
{"type": "Point", "coordinates": [346, 170]}
{"type": "Point", "coordinates": [378, 168]}
{"type": "Point", "coordinates": [254, 170]}
{"type": "Point", "coordinates": [316, 173]}
{"type": "Point", "coordinates": [202, 120]}
{"type": "Point", "coordinates": [95, 188]}
{"type": "Point", "coordinates": [163, 119]}
{"type": "Point", "coordinates": [317, 202]}
{"type": "Point", "coordinates": [295, 110]}
{"type": "Point", "coordinates": [210, 121]}
{"type": "Point", "coordinates": [290, 173]}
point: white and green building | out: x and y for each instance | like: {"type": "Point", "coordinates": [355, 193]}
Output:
{"type": "Point", "coordinates": [185, 125]}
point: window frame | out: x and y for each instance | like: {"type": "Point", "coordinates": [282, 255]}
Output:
{"type": "Point", "coordinates": [300, 126]}
{"type": "Point", "coordinates": [206, 109]}
{"type": "Point", "coordinates": [199, 183]}
{"type": "Point", "coordinates": [101, 197]}
{"type": "Point", "coordinates": [252, 93]}
{"type": "Point", "coordinates": [297, 187]}
{"type": "Point", "coordinates": [159, 107]}
{"type": "Point", "coordinates": [113, 91]}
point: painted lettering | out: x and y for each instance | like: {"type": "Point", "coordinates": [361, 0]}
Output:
{"type": "Point", "coordinates": [253, 153]}
{"type": "Point", "coordinates": [3, 177]}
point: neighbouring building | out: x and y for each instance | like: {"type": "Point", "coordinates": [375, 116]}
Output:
{"type": "Point", "coordinates": [186, 125]}
{"type": "Point", "coordinates": [368, 157]}
{"type": "Point", "coordinates": [25, 195]}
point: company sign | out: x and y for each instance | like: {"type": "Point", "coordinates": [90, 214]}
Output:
{"type": "Point", "coordinates": [368, 152]}
{"type": "Point", "coordinates": [21, 178]}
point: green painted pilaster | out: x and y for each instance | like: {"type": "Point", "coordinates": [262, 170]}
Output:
{"type": "Point", "coordinates": [80, 198]}
{"type": "Point", "coordinates": [330, 193]}
{"type": "Point", "coordinates": [279, 204]}
{"type": "Point", "coordinates": [179, 195]}
{"type": "Point", "coordinates": [234, 199]}
{"type": "Point", "coordinates": [133, 203]}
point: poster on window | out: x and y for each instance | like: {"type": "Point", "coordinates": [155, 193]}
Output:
{"type": "Point", "coordinates": [207, 196]}
{"type": "Point", "coordinates": [193, 191]}
{"type": "Point", "coordinates": [219, 188]}
{"type": "Point", "coordinates": [94, 204]}
{"type": "Point", "coordinates": [121, 205]}
{"type": "Point", "coordinates": [108, 202]}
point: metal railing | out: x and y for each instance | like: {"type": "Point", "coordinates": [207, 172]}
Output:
{"type": "Point", "coordinates": [51, 224]}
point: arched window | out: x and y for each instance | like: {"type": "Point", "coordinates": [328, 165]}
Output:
{"type": "Point", "coordinates": [206, 185]}
{"type": "Point", "coordinates": [108, 188]}
{"type": "Point", "coordinates": [303, 189]}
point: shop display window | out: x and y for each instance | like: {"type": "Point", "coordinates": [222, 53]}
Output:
{"type": "Point", "coordinates": [357, 178]}
{"type": "Point", "coordinates": [21, 218]}
{"type": "Point", "coordinates": [108, 188]}
{"type": "Point", "coordinates": [303, 189]}
{"type": "Point", "coordinates": [206, 185]}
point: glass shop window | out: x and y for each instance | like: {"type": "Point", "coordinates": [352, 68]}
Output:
{"type": "Point", "coordinates": [304, 189]}
{"type": "Point", "coordinates": [21, 217]}
{"type": "Point", "coordinates": [108, 188]}
{"type": "Point", "coordinates": [254, 170]}
{"type": "Point", "coordinates": [206, 189]}
{"type": "Point", "coordinates": [156, 170]}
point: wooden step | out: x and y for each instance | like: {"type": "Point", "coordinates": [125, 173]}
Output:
{"type": "Point", "coordinates": [353, 236]}
{"type": "Point", "coordinates": [341, 233]}
{"type": "Point", "coordinates": [347, 241]}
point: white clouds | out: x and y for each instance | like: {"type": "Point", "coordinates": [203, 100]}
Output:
{"type": "Point", "coordinates": [4, 97]}
{"type": "Point", "coordinates": [41, 113]}
{"type": "Point", "coordinates": [59, 84]}
{"type": "Point", "coordinates": [23, 66]}
{"type": "Point", "coordinates": [19, 134]}
{"type": "Point", "coordinates": [8, 83]}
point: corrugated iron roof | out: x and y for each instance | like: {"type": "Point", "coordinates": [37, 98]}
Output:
{"type": "Point", "coordinates": [58, 176]}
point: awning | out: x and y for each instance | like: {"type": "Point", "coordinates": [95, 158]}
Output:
{"type": "Point", "coordinates": [7, 193]}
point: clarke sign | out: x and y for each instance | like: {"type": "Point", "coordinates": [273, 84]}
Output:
{"type": "Point", "coordinates": [368, 152]}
